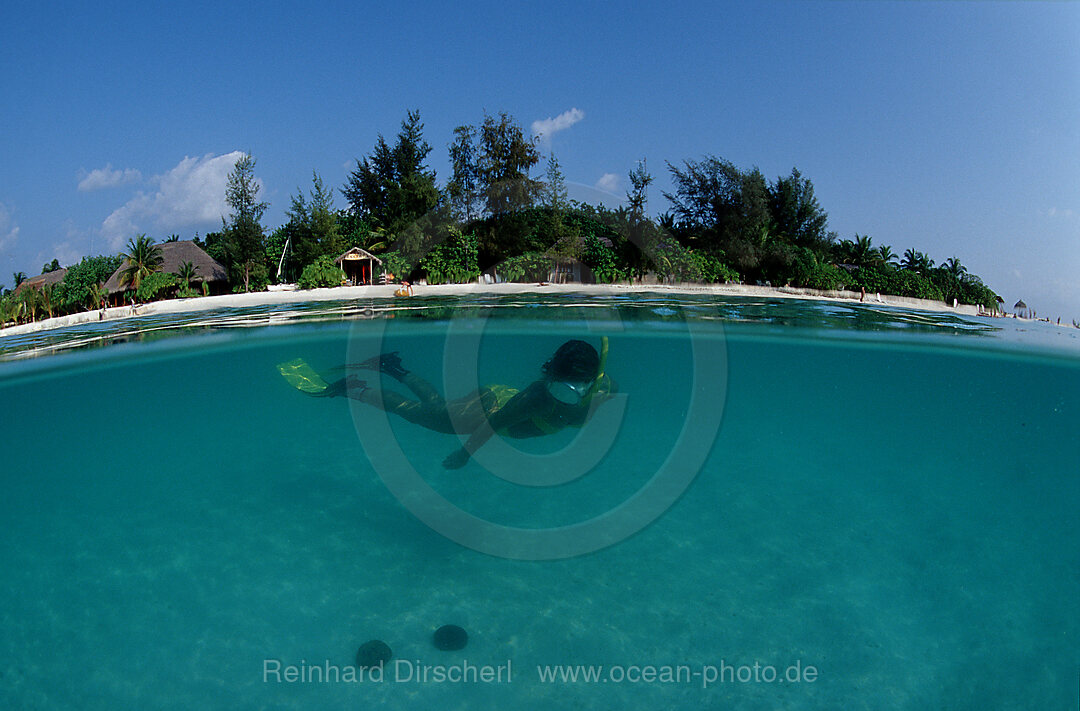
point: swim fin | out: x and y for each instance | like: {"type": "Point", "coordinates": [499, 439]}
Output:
{"type": "Point", "coordinates": [303, 377]}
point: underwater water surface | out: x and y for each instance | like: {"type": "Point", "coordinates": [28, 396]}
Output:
{"type": "Point", "coordinates": [863, 508]}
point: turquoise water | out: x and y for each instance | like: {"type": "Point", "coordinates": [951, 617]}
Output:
{"type": "Point", "coordinates": [885, 497]}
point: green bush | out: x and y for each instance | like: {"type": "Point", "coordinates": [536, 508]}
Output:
{"type": "Point", "coordinates": [828, 277]}
{"type": "Point", "coordinates": [397, 264]}
{"type": "Point", "coordinates": [711, 269]}
{"type": "Point", "coordinates": [455, 260]}
{"type": "Point", "coordinates": [258, 277]}
{"type": "Point", "coordinates": [528, 267]}
{"type": "Point", "coordinates": [76, 292]}
{"type": "Point", "coordinates": [321, 273]}
{"type": "Point", "coordinates": [157, 285]}
{"type": "Point", "coordinates": [600, 258]}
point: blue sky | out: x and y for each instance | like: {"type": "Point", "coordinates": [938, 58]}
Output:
{"type": "Point", "coordinates": [952, 128]}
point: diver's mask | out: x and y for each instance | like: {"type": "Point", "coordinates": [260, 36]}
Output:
{"type": "Point", "coordinates": [569, 393]}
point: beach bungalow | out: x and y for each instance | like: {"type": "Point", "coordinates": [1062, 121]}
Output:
{"type": "Point", "coordinates": [207, 269]}
{"type": "Point", "coordinates": [41, 280]}
{"type": "Point", "coordinates": [1020, 309]}
{"type": "Point", "coordinates": [360, 266]}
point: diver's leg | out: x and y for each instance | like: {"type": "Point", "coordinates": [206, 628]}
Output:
{"type": "Point", "coordinates": [430, 414]}
{"type": "Point", "coordinates": [422, 389]}
{"type": "Point", "coordinates": [390, 364]}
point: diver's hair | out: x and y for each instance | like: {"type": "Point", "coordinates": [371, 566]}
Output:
{"type": "Point", "coordinates": [575, 361]}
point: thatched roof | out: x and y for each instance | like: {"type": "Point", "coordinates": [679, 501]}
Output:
{"type": "Point", "coordinates": [53, 277]}
{"type": "Point", "coordinates": [356, 253]}
{"type": "Point", "coordinates": [1020, 305]}
{"type": "Point", "coordinates": [173, 254]}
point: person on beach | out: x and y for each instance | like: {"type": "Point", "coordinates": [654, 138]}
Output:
{"type": "Point", "coordinates": [405, 289]}
{"type": "Point", "coordinates": [572, 384]}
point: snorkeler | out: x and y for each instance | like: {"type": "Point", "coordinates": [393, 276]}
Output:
{"type": "Point", "coordinates": [572, 384]}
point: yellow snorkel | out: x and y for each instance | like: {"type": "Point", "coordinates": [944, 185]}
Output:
{"type": "Point", "coordinates": [600, 376]}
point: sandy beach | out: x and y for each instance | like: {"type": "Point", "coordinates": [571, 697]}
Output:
{"type": "Point", "coordinates": [344, 293]}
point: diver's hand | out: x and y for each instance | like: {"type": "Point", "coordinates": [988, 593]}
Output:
{"type": "Point", "coordinates": [456, 460]}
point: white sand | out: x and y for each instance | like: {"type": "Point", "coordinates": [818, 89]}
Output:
{"type": "Point", "coordinates": [280, 296]}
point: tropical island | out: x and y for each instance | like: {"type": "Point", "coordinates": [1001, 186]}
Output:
{"type": "Point", "coordinates": [492, 221]}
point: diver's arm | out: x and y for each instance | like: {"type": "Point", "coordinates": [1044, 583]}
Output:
{"type": "Point", "coordinates": [520, 407]}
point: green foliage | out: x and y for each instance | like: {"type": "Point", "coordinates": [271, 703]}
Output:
{"type": "Point", "coordinates": [396, 264]}
{"type": "Point", "coordinates": [674, 262]}
{"type": "Point", "coordinates": [503, 165]}
{"type": "Point", "coordinates": [885, 279]}
{"type": "Point", "coordinates": [528, 267]}
{"type": "Point", "coordinates": [255, 273]}
{"type": "Point", "coordinates": [52, 266]}
{"type": "Point", "coordinates": [637, 196]}
{"type": "Point", "coordinates": [314, 229]}
{"type": "Point", "coordinates": [50, 299]}
{"type": "Point", "coordinates": [392, 188]}
{"type": "Point", "coordinates": [78, 289]}
{"type": "Point", "coordinates": [827, 277]}
{"type": "Point", "coordinates": [142, 259]}
{"type": "Point", "coordinates": [243, 242]}
{"type": "Point", "coordinates": [711, 269]}
{"type": "Point", "coordinates": [463, 188]}
{"type": "Point", "coordinates": [600, 258]}
{"type": "Point", "coordinates": [322, 273]}
{"type": "Point", "coordinates": [725, 207]}
{"type": "Point", "coordinates": [795, 213]}
{"type": "Point", "coordinates": [914, 261]}
{"type": "Point", "coordinates": [158, 285]}
{"type": "Point", "coordinates": [455, 260]}
{"type": "Point", "coordinates": [555, 195]}
{"type": "Point", "coordinates": [214, 245]}
{"type": "Point", "coordinates": [186, 274]}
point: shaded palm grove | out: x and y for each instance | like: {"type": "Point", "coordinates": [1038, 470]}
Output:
{"type": "Point", "coordinates": [725, 224]}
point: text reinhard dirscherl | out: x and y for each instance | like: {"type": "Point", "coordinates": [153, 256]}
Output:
{"type": "Point", "coordinates": [406, 671]}
{"type": "Point", "coordinates": [401, 671]}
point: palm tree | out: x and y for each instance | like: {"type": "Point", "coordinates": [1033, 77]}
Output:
{"type": "Point", "coordinates": [886, 255]}
{"type": "Point", "coordinates": [187, 274]}
{"type": "Point", "coordinates": [49, 298]}
{"type": "Point", "coordinates": [19, 278]}
{"type": "Point", "coordinates": [916, 262]}
{"type": "Point", "coordinates": [11, 309]}
{"type": "Point", "coordinates": [862, 251]}
{"type": "Point", "coordinates": [953, 266]}
{"type": "Point", "coordinates": [377, 240]}
{"type": "Point", "coordinates": [96, 295]}
{"type": "Point", "coordinates": [30, 301]}
{"type": "Point", "coordinates": [142, 259]}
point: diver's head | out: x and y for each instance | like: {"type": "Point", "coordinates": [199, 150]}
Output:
{"type": "Point", "coordinates": [572, 371]}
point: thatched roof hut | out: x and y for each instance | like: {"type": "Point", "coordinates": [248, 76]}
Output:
{"type": "Point", "coordinates": [359, 266]}
{"type": "Point", "coordinates": [54, 277]}
{"type": "Point", "coordinates": [173, 254]}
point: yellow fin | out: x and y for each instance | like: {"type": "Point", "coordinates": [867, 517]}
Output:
{"type": "Point", "coordinates": [302, 377]}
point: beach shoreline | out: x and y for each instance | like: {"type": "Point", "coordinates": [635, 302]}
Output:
{"type": "Point", "coordinates": [345, 293]}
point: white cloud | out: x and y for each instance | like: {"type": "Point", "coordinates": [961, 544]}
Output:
{"type": "Point", "coordinates": [9, 231]}
{"type": "Point", "coordinates": [106, 177]}
{"type": "Point", "coordinates": [192, 193]}
{"type": "Point", "coordinates": [1060, 214]}
{"type": "Point", "coordinates": [546, 128]}
{"type": "Point", "coordinates": [608, 182]}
